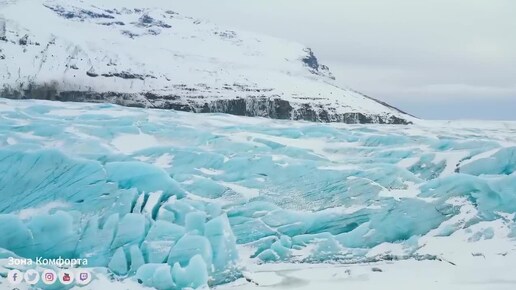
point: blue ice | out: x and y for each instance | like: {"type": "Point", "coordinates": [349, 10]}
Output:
{"type": "Point", "coordinates": [284, 191]}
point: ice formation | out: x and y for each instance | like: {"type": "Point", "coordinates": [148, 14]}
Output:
{"type": "Point", "coordinates": [173, 200]}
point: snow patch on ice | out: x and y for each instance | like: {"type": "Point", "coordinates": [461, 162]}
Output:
{"type": "Point", "coordinates": [129, 143]}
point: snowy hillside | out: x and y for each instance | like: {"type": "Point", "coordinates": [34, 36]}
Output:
{"type": "Point", "coordinates": [168, 199]}
{"type": "Point", "coordinates": [136, 54]}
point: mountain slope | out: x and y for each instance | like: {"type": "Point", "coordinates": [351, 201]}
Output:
{"type": "Point", "coordinates": [134, 54]}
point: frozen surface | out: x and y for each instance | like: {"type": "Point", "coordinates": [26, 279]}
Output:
{"type": "Point", "coordinates": [170, 200]}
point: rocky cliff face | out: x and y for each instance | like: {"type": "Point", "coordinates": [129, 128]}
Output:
{"type": "Point", "coordinates": [133, 54]}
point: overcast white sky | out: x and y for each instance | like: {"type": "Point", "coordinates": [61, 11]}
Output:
{"type": "Point", "coordinates": [438, 59]}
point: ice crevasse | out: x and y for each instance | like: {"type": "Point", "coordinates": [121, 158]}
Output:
{"type": "Point", "coordinates": [175, 200]}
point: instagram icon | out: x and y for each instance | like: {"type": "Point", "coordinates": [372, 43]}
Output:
{"type": "Point", "coordinates": [49, 277]}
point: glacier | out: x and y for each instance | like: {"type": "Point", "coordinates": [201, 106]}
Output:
{"type": "Point", "coordinates": [171, 200]}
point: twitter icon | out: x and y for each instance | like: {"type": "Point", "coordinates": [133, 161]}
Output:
{"type": "Point", "coordinates": [31, 277]}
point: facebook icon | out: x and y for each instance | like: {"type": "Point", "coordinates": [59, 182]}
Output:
{"type": "Point", "coordinates": [15, 277]}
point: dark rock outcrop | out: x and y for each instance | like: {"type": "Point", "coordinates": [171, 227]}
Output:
{"type": "Point", "coordinates": [271, 107]}
{"type": "Point", "coordinates": [311, 61]}
{"type": "Point", "coordinates": [78, 13]}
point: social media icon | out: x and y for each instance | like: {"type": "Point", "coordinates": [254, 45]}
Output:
{"type": "Point", "coordinates": [66, 277]}
{"type": "Point", "coordinates": [49, 277]}
{"type": "Point", "coordinates": [15, 277]}
{"type": "Point", "coordinates": [31, 277]}
{"type": "Point", "coordinates": [83, 277]}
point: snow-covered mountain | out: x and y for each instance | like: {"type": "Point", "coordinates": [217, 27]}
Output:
{"type": "Point", "coordinates": [139, 53]}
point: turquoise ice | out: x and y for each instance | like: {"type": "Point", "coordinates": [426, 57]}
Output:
{"type": "Point", "coordinates": [174, 200]}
